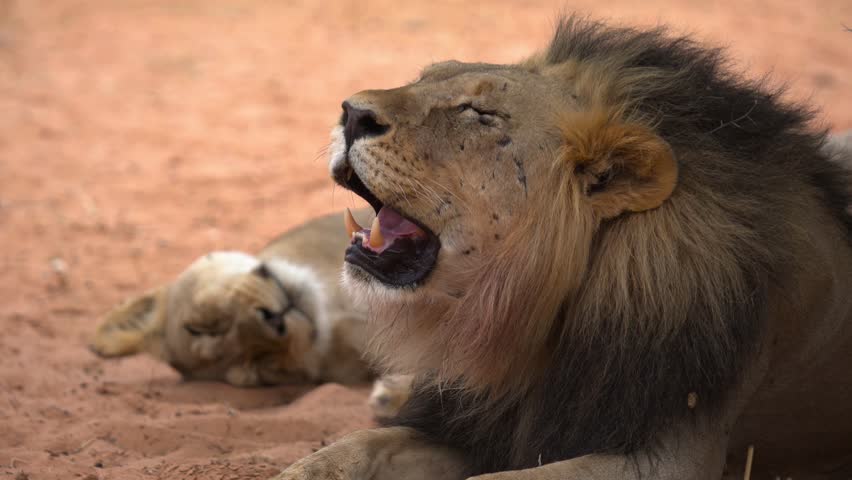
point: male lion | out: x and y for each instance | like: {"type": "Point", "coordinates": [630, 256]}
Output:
{"type": "Point", "coordinates": [616, 259]}
{"type": "Point", "coordinates": [276, 318]}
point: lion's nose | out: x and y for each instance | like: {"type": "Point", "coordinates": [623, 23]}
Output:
{"type": "Point", "coordinates": [360, 123]}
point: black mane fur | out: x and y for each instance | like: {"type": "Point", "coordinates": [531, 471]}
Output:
{"type": "Point", "coordinates": [730, 135]}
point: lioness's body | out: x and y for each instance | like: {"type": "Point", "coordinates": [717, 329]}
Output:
{"type": "Point", "coordinates": [317, 244]}
{"type": "Point", "coordinates": [208, 323]}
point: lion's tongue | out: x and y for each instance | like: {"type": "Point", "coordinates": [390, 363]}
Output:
{"type": "Point", "coordinates": [388, 226]}
{"type": "Point", "coordinates": [393, 225]}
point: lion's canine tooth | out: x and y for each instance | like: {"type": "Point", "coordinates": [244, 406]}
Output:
{"type": "Point", "coordinates": [349, 173]}
{"type": "Point", "coordinates": [376, 239]}
{"type": "Point", "coordinates": [351, 225]}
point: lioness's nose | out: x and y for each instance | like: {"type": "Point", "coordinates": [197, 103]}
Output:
{"type": "Point", "coordinates": [359, 123]}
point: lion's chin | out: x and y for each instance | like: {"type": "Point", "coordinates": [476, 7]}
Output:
{"type": "Point", "coordinates": [366, 289]}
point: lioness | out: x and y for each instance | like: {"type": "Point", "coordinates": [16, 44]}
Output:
{"type": "Point", "coordinates": [276, 318]}
{"type": "Point", "coordinates": [616, 259]}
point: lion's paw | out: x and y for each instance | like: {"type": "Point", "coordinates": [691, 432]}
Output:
{"type": "Point", "coordinates": [389, 395]}
{"type": "Point", "coordinates": [342, 460]}
{"type": "Point", "coordinates": [311, 468]}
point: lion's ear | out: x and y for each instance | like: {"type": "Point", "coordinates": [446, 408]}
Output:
{"type": "Point", "coordinates": [132, 327]}
{"type": "Point", "coordinates": [622, 166]}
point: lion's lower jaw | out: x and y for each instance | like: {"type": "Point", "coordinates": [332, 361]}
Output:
{"type": "Point", "coordinates": [365, 288]}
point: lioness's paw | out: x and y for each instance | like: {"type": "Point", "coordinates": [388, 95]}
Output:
{"type": "Point", "coordinates": [242, 376]}
{"type": "Point", "coordinates": [115, 343]}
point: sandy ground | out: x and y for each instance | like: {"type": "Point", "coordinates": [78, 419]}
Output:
{"type": "Point", "coordinates": [137, 135]}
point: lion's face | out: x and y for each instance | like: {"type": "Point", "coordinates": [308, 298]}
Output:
{"type": "Point", "coordinates": [490, 183]}
{"type": "Point", "coordinates": [448, 162]}
{"type": "Point", "coordinates": [227, 317]}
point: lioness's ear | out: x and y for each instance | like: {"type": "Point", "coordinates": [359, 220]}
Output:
{"type": "Point", "coordinates": [132, 327]}
{"type": "Point", "coordinates": [622, 166]}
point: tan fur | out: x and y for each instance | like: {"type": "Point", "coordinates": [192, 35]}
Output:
{"type": "Point", "coordinates": [599, 142]}
{"type": "Point", "coordinates": [218, 297]}
{"type": "Point", "coordinates": [116, 338]}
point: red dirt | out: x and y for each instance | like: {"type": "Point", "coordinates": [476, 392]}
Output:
{"type": "Point", "coordinates": [137, 135]}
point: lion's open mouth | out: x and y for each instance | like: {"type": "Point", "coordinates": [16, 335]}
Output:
{"type": "Point", "coordinates": [396, 250]}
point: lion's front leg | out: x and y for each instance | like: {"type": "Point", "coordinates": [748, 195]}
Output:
{"type": "Point", "coordinates": [695, 455]}
{"type": "Point", "coordinates": [395, 453]}
{"type": "Point", "coordinates": [604, 467]}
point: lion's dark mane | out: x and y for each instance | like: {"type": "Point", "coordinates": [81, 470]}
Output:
{"type": "Point", "coordinates": [606, 392]}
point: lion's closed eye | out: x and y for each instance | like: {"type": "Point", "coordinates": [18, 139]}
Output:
{"type": "Point", "coordinates": [484, 116]}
